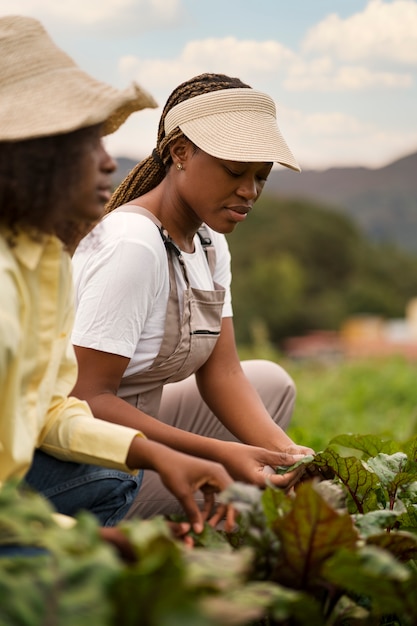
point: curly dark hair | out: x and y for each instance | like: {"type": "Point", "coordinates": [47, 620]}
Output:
{"type": "Point", "coordinates": [147, 174]}
{"type": "Point", "coordinates": [39, 181]}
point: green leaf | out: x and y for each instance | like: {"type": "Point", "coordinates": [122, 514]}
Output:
{"type": "Point", "coordinates": [370, 445]}
{"type": "Point", "coordinates": [284, 469]}
{"type": "Point", "coordinates": [361, 483]}
{"type": "Point", "coordinates": [259, 599]}
{"type": "Point", "coordinates": [275, 504]}
{"type": "Point", "coordinates": [310, 534]}
{"type": "Point", "coordinates": [374, 573]}
{"type": "Point", "coordinates": [211, 539]}
{"type": "Point", "coordinates": [410, 448]}
{"type": "Point", "coordinates": [400, 544]}
{"type": "Point", "coordinates": [408, 519]}
{"type": "Point", "coordinates": [393, 470]}
{"type": "Point", "coordinates": [373, 522]}
{"type": "Point", "coordinates": [25, 517]}
{"type": "Point", "coordinates": [217, 569]}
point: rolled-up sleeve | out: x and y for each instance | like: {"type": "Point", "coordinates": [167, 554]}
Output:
{"type": "Point", "coordinates": [71, 432]}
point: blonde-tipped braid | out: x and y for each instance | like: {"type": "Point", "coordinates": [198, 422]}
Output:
{"type": "Point", "coordinates": [147, 174]}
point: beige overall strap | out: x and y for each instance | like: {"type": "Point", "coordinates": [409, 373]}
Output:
{"type": "Point", "coordinates": [202, 232]}
{"type": "Point", "coordinates": [134, 208]}
{"type": "Point", "coordinates": [208, 247]}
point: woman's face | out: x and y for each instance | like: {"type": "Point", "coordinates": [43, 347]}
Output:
{"type": "Point", "coordinates": [218, 192]}
{"type": "Point", "coordinates": [95, 184]}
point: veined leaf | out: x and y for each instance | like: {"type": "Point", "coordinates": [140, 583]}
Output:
{"type": "Point", "coordinates": [284, 469]}
{"type": "Point", "coordinates": [361, 483]}
{"type": "Point", "coordinates": [370, 445]}
{"type": "Point", "coordinates": [373, 522]}
{"type": "Point", "coordinates": [310, 533]}
{"type": "Point", "coordinates": [393, 470]}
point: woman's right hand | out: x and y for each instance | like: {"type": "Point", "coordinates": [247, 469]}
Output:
{"type": "Point", "coordinates": [252, 464]}
{"type": "Point", "coordinates": [183, 475]}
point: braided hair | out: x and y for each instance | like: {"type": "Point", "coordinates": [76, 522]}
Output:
{"type": "Point", "coordinates": [147, 174]}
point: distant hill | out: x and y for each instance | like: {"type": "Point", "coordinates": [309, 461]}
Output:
{"type": "Point", "coordinates": [383, 202]}
{"type": "Point", "coordinates": [124, 165]}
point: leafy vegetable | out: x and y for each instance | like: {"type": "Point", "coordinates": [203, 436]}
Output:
{"type": "Point", "coordinates": [339, 550]}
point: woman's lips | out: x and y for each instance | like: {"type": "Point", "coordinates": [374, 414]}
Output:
{"type": "Point", "coordinates": [104, 194]}
{"type": "Point", "coordinates": [239, 213]}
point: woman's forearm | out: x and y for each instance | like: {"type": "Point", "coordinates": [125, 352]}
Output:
{"type": "Point", "coordinates": [238, 406]}
{"type": "Point", "coordinates": [108, 407]}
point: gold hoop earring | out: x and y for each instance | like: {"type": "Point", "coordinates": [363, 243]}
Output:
{"type": "Point", "coordinates": [179, 166]}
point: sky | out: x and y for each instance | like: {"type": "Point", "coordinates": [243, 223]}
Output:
{"type": "Point", "coordinates": [343, 73]}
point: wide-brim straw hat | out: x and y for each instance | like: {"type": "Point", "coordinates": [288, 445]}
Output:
{"type": "Point", "coordinates": [233, 124]}
{"type": "Point", "coordinates": [43, 91]}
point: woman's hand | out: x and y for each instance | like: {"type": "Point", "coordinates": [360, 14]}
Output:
{"type": "Point", "coordinates": [252, 464]}
{"type": "Point", "coordinates": [183, 475]}
{"type": "Point", "coordinates": [192, 474]}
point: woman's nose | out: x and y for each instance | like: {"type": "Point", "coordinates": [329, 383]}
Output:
{"type": "Point", "coordinates": [107, 163]}
{"type": "Point", "coordinates": [248, 188]}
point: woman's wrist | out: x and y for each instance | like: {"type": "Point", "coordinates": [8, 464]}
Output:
{"type": "Point", "coordinates": [144, 453]}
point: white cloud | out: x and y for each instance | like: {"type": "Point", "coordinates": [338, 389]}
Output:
{"type": "Point", "coordinates": [321, 140]}
{"type": "Point", "coordinates": [383, 31]}
{"type": "Point", "coordinates": [109, 15]}
{"type": "Point", "coordinates": [241, 56]}
{"type": "Point", "coordinates": [261, 64]}
{"type": "Point", "coordinates": [255, 62]}
{"type": "Point", "coordinates": [322, 75]}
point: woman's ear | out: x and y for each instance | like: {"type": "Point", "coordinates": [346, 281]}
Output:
{"type": "Point", "coordinates": [180, 150]}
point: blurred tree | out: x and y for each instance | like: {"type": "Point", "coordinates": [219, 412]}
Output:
{"type": "Point", "coordinates": [299, 267]}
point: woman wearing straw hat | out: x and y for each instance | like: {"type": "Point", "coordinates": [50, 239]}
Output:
{"type": "Point", "coordinates": [153, 291]}
{"type": "Point", "coordinates": [54, 183]}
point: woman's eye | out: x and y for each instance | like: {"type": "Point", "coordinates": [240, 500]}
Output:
{"type": "Point", "coordinates": [232, 173]}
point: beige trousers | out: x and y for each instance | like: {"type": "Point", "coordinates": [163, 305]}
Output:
{"type": "Point", "coordinates": [183, 407]}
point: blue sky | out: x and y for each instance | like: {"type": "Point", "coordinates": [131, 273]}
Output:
{"type": "Point", "coordinates": [343, 73]}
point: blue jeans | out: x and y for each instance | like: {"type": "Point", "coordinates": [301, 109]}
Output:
{"type": "Point", "coordinates": [73, 487]}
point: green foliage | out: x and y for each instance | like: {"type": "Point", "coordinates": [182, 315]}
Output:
{"type": "Point", "coordinates": [340, 550]}
{"type": "Point", "coordinates": [299, 267]}
{"type": "Point", "coordinates": [68, 584]}
{"type": "Point", "coordinates": [347, 543]}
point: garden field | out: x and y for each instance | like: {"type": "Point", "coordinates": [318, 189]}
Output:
{"type": "Point", "coordinates": [377, 396]}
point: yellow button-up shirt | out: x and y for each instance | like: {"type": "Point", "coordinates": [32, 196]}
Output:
{"type": "Point", "coordinates": [38, 367]}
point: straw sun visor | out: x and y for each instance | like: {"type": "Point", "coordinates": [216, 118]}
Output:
{"type": "Point", "coordinates": [233, 124]}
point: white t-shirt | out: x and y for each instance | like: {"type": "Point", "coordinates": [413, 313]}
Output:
{"type": "Point", "coordinates": [122, 286]}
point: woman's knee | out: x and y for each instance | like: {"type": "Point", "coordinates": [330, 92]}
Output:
{"type": "Point", "coordinates": [275, 386]}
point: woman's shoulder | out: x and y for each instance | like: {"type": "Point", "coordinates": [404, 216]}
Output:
{"type": "Point", "coordinates": [130, 224]}
{"type": "Point", "coordinates": [121, 227]}
{"type": "Point", "coordinates": [118, 235]}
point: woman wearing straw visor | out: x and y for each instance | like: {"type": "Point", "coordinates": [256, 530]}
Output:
{"type": "Point", "coordinates": [154, 331]}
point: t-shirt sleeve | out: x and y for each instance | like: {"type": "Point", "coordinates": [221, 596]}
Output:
{"type": "Point", "coordinates": [117, 280]}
